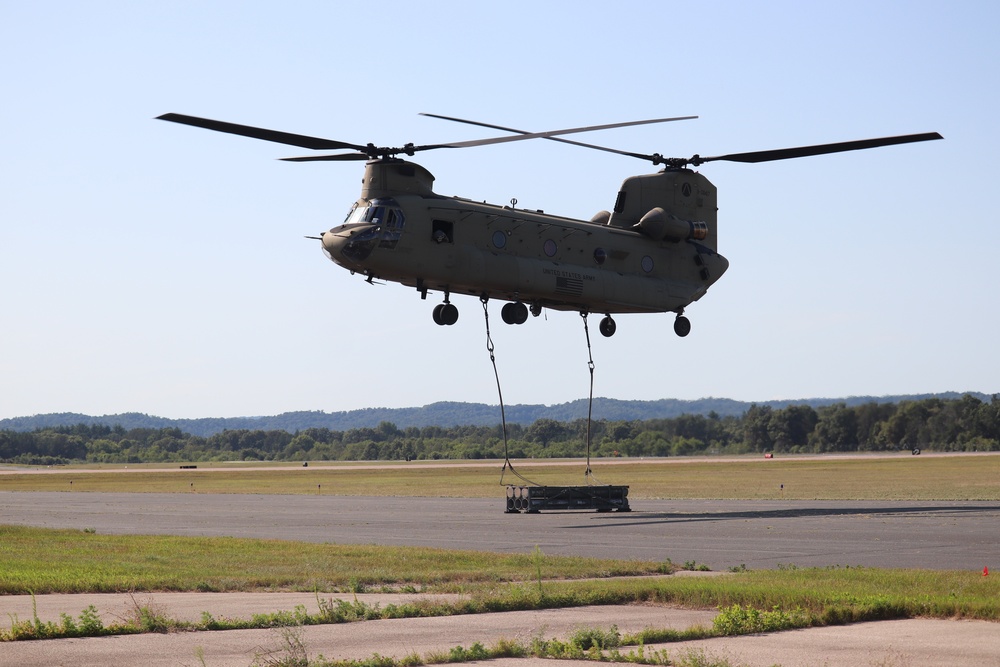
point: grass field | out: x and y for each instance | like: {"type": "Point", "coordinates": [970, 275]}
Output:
{"type": "Point", "coordinates": [890, 477]}
{"type": "Point", "coordinates": [37, 560]}
{"type": "Point", "coordinates": [41, 560]}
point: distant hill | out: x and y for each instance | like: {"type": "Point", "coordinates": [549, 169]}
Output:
{"type": "Point", "coordinates": [447, 414]}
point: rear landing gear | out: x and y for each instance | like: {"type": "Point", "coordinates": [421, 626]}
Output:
{"type": "Point", "coordinates": [608, 327]}
{"type": "Point", "coordinates": [682, 326]}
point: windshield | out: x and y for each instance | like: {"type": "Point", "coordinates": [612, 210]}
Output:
{"type": "Point", "coordinates": [386, 221]}
{"type": "Point", "coordinates": [377, 212]}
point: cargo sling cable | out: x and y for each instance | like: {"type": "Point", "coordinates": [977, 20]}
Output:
{"type": "Point", "coordinates": [588, 473]}
{"type": "Point", "coordinates": [503, 417]}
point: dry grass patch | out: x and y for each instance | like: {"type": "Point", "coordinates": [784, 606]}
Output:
{"type": "Point", "coordinates": [884, 477]}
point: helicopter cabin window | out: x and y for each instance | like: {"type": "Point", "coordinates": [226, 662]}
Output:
{"type": "Point", "coordinates": [392, 227]}
{"type": "Point", "coordinates": [442, 231]}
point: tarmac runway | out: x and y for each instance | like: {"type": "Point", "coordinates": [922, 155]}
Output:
{"type": "Point", "coordinates": [945, 535]}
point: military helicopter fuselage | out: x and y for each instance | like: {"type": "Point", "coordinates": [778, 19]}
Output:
{"type": "Point", "coordinates": [657, 252]}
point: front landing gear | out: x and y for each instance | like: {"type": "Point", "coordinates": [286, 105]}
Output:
{"type": "Point", "coordinates": [514, 313]}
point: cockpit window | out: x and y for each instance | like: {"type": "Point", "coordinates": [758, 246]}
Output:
{"type": "Point", "coordinates": [385, 222]}
{"type": "Point", "coordinates": [354, 215]}
{"type": "Point", "coordinates": [377, 212]}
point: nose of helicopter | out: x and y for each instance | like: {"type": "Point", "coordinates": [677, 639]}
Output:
{"type": "Point", "coordinates": [335, 240]}
{"type": "Point", "coordinates": [333, 245]}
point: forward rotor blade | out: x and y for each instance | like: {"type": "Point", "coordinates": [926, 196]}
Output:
{"type": "Point", "coordinates": [823, 149]}
{"type": "Point", "coordinates": [564, 141]}
{"type": "Point", "coordinates": [550, 134]}
{"type": "Point", "coordinates": [302, 141]}
{"type": "Point", "coordinates": [339, 157]}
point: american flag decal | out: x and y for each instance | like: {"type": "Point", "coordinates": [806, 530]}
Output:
{"type": "Point", "coordinates": [569, 286]}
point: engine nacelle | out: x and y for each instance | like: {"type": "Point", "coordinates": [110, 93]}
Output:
{"type": "Point", "coordinates": [659, 225]}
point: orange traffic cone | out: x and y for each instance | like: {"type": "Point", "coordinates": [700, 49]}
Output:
{"type": "Point", "coordinates": [986, 571]}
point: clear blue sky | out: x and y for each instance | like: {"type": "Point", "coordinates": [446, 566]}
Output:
{"type": "Point", "coordinates": [157, 268]}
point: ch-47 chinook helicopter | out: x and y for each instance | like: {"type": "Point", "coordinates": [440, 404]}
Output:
{"type": "Point", "coordinates": [656, 252]}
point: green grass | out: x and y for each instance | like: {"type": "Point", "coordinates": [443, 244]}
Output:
{"type": "Point", "coordinates": [41, 560]}
{"type": "Point", "coordinates": [892, 477]}
{"type": "Point", "coordinates": [37, 560]}
{"type": "Point", "coordinates": [830, 595]}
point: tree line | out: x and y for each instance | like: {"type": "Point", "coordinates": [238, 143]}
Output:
{"type": "Point", "coordinates": [963, 424]}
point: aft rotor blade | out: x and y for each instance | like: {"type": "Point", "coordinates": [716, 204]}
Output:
{"type": "Point", "coordinates": [564, 141]}
{"type": "Point", "coordinates": [302, 141]}
{"type": "Point", "coordinates": [550, 134]}
{"type": "Point", "coordinates": [823, 149]}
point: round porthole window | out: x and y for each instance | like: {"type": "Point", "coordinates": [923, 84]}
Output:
{"type": "Point", "coordinates": [600, 255]}
{"type": "Point", "coordinates": [499, 239]}
{"type": "Point", "coordinates": [647, 263]}
{"type": "Point", "coordinates": [550, 248]}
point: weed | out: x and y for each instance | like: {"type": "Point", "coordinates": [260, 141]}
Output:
{"type": "Point", "coordinates": [596, 638]}
{"type": "Point", "coordinates": [90, 622]}
{"type": "Point", "coordinates": [476, 652]}
{"type": "Point", "coordinates": [698, 658]}
{"type": "Point", "coordinates": [88, 625]}
{"type": "Point", "coordinates": [537, 556]}
{"type": "Point", "coordinates": [290, 652]}
{"type": "Point", "coordinates": [147, 617]}
{"type": "Point", "coordinates": [740, 620]}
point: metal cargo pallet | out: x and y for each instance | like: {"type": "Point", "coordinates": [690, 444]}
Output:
{"type": "Point", "coordinates": [533, 499]}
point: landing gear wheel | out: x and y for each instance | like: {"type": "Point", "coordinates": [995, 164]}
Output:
{"type": "Point", "coordinates": [514, 313]}
{"type": "Point", "coordinates": [608, 327]}
{"type": "Point", "coordinates": [445, 314]}
{"type": "Point", "coordinates": [682, 326]}
{"type": "Point", "coordinates": [449, 314]}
